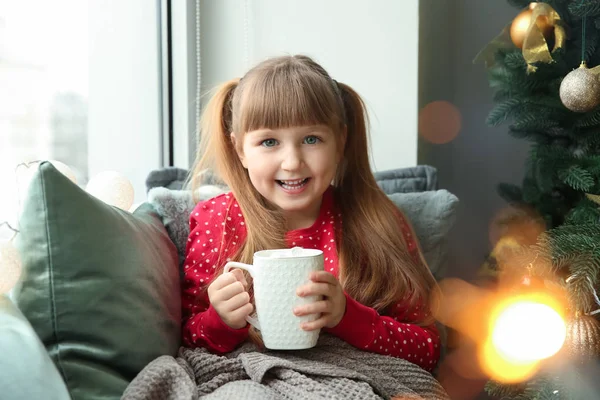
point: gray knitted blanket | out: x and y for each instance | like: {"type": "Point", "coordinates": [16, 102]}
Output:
{"type": "Point", "coordinates": [332, 370]}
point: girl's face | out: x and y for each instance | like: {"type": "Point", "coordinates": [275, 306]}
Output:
{"type": "Point", "coordinates": [292, 168]}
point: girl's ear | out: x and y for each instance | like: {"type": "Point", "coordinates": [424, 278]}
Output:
{"type": "Point", "coordinates": [238, 149]}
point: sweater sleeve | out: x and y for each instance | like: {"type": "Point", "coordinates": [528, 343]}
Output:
{"type": "Point", "coordinates": [396, 335]}
{"type": "Point", "coordinates": [202, 326]}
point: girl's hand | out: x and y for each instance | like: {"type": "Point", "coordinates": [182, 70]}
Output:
{"type": "Point", "coordinates": [331, 308]}
{"type": "Point", "coordinates": [229, 298]}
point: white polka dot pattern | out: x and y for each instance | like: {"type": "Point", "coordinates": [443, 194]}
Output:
{"type": "Point", "coordinates": [217, 228]}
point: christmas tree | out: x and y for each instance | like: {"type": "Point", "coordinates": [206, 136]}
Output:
{"type": "Point", "coordinates": [547, 90]}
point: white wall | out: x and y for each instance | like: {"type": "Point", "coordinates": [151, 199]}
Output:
{"type": "Point", "coordinates": [370, 45]}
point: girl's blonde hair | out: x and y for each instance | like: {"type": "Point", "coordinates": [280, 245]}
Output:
{"type": "Point", "coordinates": [375, 268]}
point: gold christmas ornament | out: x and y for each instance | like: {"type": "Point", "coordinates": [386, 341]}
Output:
{"type": "Point", "coordinates": [520, 26]}
{"type": "Point", "coordinates": [583, 338]}
{"type": "Point", "coordinates": [531, 31]}
{"type": "Point", "coordinates": [580, 90]}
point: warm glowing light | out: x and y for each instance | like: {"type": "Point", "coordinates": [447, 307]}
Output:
{"type": "Point", "coordinates": [500, 369]}
{"type": "Point", "coordinates": [524, 331]}
{"type": "Point", "coordinates": [527, 331]}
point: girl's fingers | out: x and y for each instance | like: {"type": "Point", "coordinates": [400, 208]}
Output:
{"type": "Point", "coordinates": [242, 312]}
{"type": "Point", "coordinates": [223, 280]}
{"type": "Point", "coordinates": [317, 307]}
{"type": "Point", "coordinates": [229, 291]}
{"type": "Point", "coordinates": [239, 276]}
{"type": "Point", "coordinates": [323, 276]}
{"type": "Point", "coordinates": [237, 301]}
{"type": "Point", "coordinates": [314, 289]}
{"type": "Point", "coordinates": [316, 324]}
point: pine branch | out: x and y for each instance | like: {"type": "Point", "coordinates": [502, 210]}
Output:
{"type": "Point", "coordinates": [585, 266]}
{"type": "Point", "coordinates": [593, 164]}
{"type": "Point", "coordinates": [587, 230]}
{"type": "Point", "coordinates": [500, 76]}
{"type": "Point", "coordinates": [586, 8]}
{"type": "Point", "coordinates": [533, 122]}
{"type": "Point", "coordinates": [502, 95]}
{"type": "Point", "coordinates": [514, 60]}
{"type": "Point", "coordinates": [591, 42]}
{"type": "Point", "coordinates": [582, 270]}
{"type": "Point", "coordinates": [532, 136]}
{"type": "Point", "coordinates": [586, 212]}
{"type": "Point", "coordinates": [591, 119]}
{"type": "Point", "coordinates": [566, 240]}
{"type": "Point", "coordinates": [501, 112]}
{"type": "Point", "coordinates": [589, 138]}
{"type": "Point", "coordinates": [500, 390]}
{"type": "Point", "coordinates": [577, 178]}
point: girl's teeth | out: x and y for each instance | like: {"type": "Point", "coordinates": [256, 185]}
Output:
{"type": "Point", "coordinates": [293, 184]}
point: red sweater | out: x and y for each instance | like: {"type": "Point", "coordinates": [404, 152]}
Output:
{"type": "Point", "coordinates": [217, 229]}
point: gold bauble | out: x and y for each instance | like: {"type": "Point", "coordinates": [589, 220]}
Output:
{"type": "Point", "coordinates": [583, 338]}
{"type": "Point", "coordinates": [580, 90]}
{"type": "Point", "coordinates": [519, 26]}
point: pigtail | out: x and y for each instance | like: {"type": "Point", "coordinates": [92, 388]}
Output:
{"type": "Point", "coordinates": [215, 148]}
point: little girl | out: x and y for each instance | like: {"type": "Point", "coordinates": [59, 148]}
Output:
{"type": "Point", "coordinates": [291, 144]}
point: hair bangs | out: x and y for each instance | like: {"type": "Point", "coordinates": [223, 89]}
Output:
{"type": "Point", "coordinates": [277, 99]}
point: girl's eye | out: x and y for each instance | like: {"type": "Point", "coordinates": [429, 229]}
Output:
{"type": "Point", "coordinates": [311, 140]}
{"type": "Point", "coordinates": [268, 142]}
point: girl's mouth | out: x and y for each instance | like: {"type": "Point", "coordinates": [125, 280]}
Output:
{"type": "Point", "coordinates": [293, 185]}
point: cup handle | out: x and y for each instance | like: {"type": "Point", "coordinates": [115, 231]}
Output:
{"type": "Point", "coordinates": [250, 268]}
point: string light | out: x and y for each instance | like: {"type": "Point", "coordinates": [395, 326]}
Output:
{"type": "Point", "coordinates": [10, 262]}
{"type": "Point", "coordinates": [111, 187]}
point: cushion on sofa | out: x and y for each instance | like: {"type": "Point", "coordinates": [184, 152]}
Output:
{"type": "Point", "coordinates": [100, 286]}
{"type": "Point", "coordinates": [26, 371]}
{"type": "Point", "coordinates": [419, 178]}
{"type": "Point", "coordinates": [431, 213]}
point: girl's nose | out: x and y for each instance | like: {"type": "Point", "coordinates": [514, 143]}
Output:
{"type": "Point", "coordinates": [292, 160]}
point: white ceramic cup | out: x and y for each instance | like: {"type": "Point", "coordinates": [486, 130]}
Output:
{"type": "Point", "coordinates": [276, 276]}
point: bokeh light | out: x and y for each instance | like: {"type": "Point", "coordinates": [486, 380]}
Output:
{"type": "Point", "coordinates": [439, 122]}
{"type": "Point", "coordinates": [10, 267]}
{"type": "Point", "coordinates": [113, 188]}
{"type": "Point", "coordinates": [512, 328]}
{"type": "Point", "coordinates": [524, 329]}
{"type": "Point", "coordinates": [527, 331]}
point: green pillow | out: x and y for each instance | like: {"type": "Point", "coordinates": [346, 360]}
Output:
{"type": "Point", "coordinates": [26, 371]}
{"type": "Point", "coordinates": [100, 286]}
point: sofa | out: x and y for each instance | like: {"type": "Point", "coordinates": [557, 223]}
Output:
{"type": "Point", "coordinates": [98, 297]}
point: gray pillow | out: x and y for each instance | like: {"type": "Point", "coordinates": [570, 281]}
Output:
{"type": "Point", "coordinates": [432, 215]}
{"type": "Point", "coordinates": [419, 178]}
